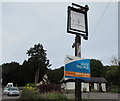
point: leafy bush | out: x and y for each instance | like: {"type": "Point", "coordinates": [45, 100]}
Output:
{"type": "Point", "coordinates": [30, 94]}
{"type": "Point", "coordinates": [57, 96]}
{"type": "Point", "coordinates": [30, 86]}
{"type": "Point", "coordinates": [45, 88]}
{"type": "Point", "coordinates": [115, 90]}
{"type": "Point", "coordinates": [33, 94]}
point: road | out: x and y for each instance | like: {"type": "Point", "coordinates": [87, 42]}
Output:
{"type": "Point", "coordinates": [10, 97]}
{"type": "Point", "coordinates": [97, 95]}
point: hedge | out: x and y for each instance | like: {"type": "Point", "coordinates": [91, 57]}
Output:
{"type": "Point", "coordinates": [30, 94]}
{"type": "Point", "coordinates": [46, 88]}
{"type": "Point", "coordinates": [34, 94]}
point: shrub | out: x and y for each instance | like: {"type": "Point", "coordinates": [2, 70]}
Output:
{"type": "Point", "coordinates": [30, 86]}
{"type": "Point", "coordinates": [45, 88]}
{"type": "Point", "coordinates": [30, 94]}
{"type": "Point", "coordinates": [114, 90]}
{"type": "Point", "coordinates": [57, 96]}
{"type": "Point", "coordinates": [33, 94]}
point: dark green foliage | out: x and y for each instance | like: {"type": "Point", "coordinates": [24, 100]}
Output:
{"type": "Point", "coordinates": [97, 69]}
{"type": "Point", "coordinates": [57, 96]}
{"type": "Point", "coordinates": [18, 74]}
{"type": "Point", "coordinates": [114, 90]}
{"type": "Point", "coordinates": [38, 60]}
{"type": "Point", "coordinates": [28, 72]}
{"type": "Point", "coordinates": [45, 88]}
{"type": "Point", "coordinates": [11, 72]}
{"type": "Point", "coordinates": [55, 75]}
{"type": "Point", "coordinates": [112, 75]}
{"type": "Point", "coordinates": [30, 94]}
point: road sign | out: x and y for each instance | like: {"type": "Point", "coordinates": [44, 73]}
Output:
{"type": "Point", "coordinates": [76, 67]}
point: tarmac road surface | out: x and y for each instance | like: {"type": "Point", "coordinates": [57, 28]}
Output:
{"type": "Point", "coordinates": [97, 95]}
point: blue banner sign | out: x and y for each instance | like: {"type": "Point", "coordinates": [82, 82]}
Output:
{"type": "Point", "coordinates": [76, 67]}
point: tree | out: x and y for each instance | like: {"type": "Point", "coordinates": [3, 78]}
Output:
{"type": "Point", "coordinates": [28, 72]}
{"type": "Point", "coordinates": [97, 69]}
{"type": "Point", "coordinates": [39, 60]}
{"type": "Point", "coordinates": [112, 75]}
{"type": "Point", "coordinates": [55, 75]}
{"type": "Point", "coordinates": [10, 72]}
{"type": "Point", "coordinates": [113, 72]}
{"type": "Point", "coordinates": [115, 61]}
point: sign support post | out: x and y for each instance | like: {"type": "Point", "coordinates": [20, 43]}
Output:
{"type": "Point", "coordinates": [77, 24]}
{"type": "Point", "coordinates": [78, 94]}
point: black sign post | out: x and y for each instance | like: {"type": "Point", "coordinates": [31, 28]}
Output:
{"type": "Point", "coordinates": [77, 24]}
{"type": "Point", "coordinates": [78, 94]}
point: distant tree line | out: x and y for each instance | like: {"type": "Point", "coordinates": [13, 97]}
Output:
{"type": "Point", "coordinates": [22, 74]}
{"type": "Point", "coordinates": [33, 69]}
{"type": "Point", "coordinates": [110, 73]}
{"type": "Point", "coordinates": [18, 74]}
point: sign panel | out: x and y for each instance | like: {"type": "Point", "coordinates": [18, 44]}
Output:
{"type": "Point", "coordinates": [76, 67]}
{"type": "Point", "coordinates": [77, 21]}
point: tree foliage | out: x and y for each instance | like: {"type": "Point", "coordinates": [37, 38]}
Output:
{"type": "Point", "coordinates": [38, 58]}
{"type": "Point", "coordinates": [113, 72]}
{"type": "Point", "coordinates": [11, 72]}
{"type": "Point", "coordinates": [18, 74]}
{"type": "Point", "coordinates": [26, 73]}
{"type": "Point", "coordinates": [115, 61]}
{"type": "Point", "coordinates": [97, 69]}
{"type": "Point", "coordinates": [55, 75]}
{"type": "Point", "coordinates": [112, 75]}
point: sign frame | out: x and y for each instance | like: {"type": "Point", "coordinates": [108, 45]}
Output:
{"type": "Point", "coordinates": [77, 31]}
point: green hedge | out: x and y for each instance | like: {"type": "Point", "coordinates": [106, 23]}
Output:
{"type": "Point", "coordinates": [115, 90]}
{"type": "Point", "coordinates": [58, 96]}
{"type": "Point", "coordinates": [33, 94]}
{"type": "Point", "coordinates": [46, 88]}
{"type": "Point", "coordinates": [30, 94]}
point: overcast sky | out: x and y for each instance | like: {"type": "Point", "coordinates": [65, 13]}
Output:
{"type": "Point", "coordinates": [26, 24]}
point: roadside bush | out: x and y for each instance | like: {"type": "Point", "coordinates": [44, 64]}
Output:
{"type": "Point", "coordinates": [30, 86]}
{"type": "Point", "coordinates": [30, 94]}
{"type": "Point", "coordinates": [115, 90]}
{"type": "Point", "coordinates": [45, 88]}
{"type": "Point", "coordinates": [57, 96]}
{"type": "Point", "coordinates": [33, 94]}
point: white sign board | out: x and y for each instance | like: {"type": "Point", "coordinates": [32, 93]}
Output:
{"type": "Point", "coordinates": [77, 21]}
